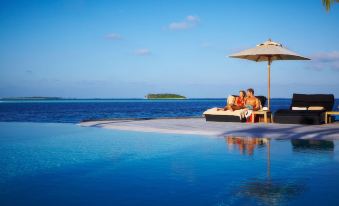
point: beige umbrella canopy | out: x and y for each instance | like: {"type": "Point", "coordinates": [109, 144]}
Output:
{"type": "Point", "coordinates": [268, 51]}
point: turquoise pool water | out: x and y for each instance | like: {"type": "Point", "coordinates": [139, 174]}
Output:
{"type": "Point", "coordinates": [65, 164]}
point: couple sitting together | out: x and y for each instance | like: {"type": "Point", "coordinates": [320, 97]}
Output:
{"type": "Point", "coordinates": [245, 101]}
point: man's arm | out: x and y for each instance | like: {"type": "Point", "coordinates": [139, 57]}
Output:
{"type": "Point", "coordinates": [257, 105]}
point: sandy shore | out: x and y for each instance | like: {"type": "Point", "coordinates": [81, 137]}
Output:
{"type": "Point", "coordinates": [198, 126]}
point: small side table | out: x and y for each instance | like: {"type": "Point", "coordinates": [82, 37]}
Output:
{"type": "Point", "coordinates": [264, 113]}
{"type": "Point", "coordinates": [328, 115]}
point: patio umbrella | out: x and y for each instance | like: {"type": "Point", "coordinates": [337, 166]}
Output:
{"type": "Point", "coordinates": [268, 51]}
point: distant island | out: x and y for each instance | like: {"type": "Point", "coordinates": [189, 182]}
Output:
{"type": "Point", "coordinates": [165, 96]}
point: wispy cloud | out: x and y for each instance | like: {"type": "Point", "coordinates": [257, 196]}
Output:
{"type": "Point", "coordinates": [29, 71]}
{"type": "Point", "coordinates": [142, 52]}
{"type": "Point", "coordinates": [113, 36]}
{"type": "Point", "coordinates": [325, 60]}
{"type": "Point", "coordinates": [188, 23]}
{"type": "Point", "coordinates": [206, 45]}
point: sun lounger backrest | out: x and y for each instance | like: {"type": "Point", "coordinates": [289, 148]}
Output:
{"type": "Point", "coordinates": [262, 100]}
{"type": "Point", "coordinates": [307, 100]}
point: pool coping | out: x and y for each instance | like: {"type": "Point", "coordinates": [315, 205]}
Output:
{"type": "Point", "coordinates": [198, 126]}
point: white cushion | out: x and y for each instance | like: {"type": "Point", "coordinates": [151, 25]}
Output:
{"type": "Point", "coordinates": [299, 108]}
{"type": "Point", "coordinates": [214, 111]}
{"type": "Point", "coordinates": [230, 100]}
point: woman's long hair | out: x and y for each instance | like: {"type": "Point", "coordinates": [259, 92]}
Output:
{"type": "Point", "coordinates": [244, 93]}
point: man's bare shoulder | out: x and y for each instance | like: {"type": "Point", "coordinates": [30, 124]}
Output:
{"type": "Point", "coordinates": [251, 98]}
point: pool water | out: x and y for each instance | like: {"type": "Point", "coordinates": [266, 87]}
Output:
{"type": "Point", "coordinates": [65, 164]}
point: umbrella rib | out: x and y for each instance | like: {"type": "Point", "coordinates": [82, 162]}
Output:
{"type": "Point", "coordinates": [258, 58]}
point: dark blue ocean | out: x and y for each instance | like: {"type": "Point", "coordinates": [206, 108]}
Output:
{"type": "Point", "coordinates": [73, 111]}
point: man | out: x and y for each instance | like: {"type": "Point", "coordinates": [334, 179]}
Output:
{"type": "Point", "coordinates": [252, 103]}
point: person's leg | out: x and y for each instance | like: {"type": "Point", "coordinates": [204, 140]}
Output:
{"type": "Point", "coordinates": [229, 107]}
{"type": "Point", "coordinates": [235, 107]}
{"type": "Point", "coordinates": [222, 109]}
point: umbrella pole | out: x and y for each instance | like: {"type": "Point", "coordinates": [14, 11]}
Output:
{"type": "Point", "coordinates": [269, 84]}
{"type": "Point", "coordinates": [269, 159]}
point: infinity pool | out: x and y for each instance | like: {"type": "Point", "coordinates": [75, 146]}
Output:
{"type": "Point", "coordinates": [65, 164]}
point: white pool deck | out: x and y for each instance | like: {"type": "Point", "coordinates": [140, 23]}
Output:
{"type": "Point", "coordinates": [198, 126]}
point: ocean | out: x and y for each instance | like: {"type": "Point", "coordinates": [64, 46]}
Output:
{"type": "Point", "coordinates": [74, 111]}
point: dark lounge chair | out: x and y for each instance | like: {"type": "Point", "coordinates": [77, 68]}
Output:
{"type": "Point", "coordinates": [219, 117]}
{"type": "Point", "coordinates": [289, 116]}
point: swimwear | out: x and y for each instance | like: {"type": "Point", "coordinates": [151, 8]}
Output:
{"type": "Point", "coordinates": [248, 106]}
{"type": "Point", "coordinates": [240, 102]}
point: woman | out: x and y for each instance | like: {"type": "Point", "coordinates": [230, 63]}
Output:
{"type": "Point", "coordinates": [239, 102]}
{"type": "Point", "coordinates": [235, 103]}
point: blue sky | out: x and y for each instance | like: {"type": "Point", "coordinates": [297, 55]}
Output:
{"type": "Point", "coordinates": [122, 49]}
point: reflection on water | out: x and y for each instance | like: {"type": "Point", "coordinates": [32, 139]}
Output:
{"type": "Point", "coordinates": [308, 145]}
{"type": "Point", "coordinates": [270, 190]}
{"type": "Point", "coordinates": [245, 145]}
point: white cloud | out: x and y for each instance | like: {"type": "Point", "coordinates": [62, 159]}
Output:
{"type": "Point", "coordinates": [113, 36]}
{"type": "Point", "coordinates": [178, 26]}
{"type": "Point", "coordinates": [192, 18]}
{"type": "Point", "coordinates": [326, 56]}
{"type": "Point", "coordinates": [142, 52]}
{"type": "Point", "coordinates": [189, 22]}
{"type": "Point", "coordinates": [206, 45]}
{"type": "Point", "coordinates": [325, 60]}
